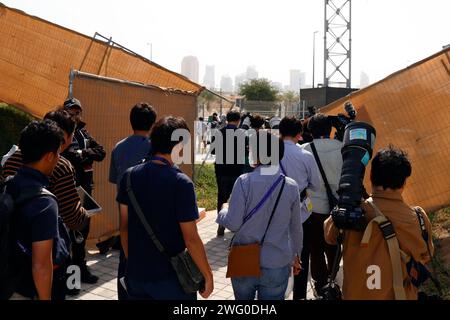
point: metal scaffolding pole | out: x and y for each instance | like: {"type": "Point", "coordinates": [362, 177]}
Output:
{"type": "Point", "coordinates": [338, 43]}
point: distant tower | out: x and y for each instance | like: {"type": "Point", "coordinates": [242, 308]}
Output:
{"type": "Point", "coordinates": [338, 43]}
{"type": "Point", "coordinates": [295, 80]}
{"type": "Point", "coordinates": [189, 68]}
{"type": "Point", "coordinates": [226, 84]}
{"type": "Point", "coordinates": [210, 77]}
{"type": "Point", "coordinates": [251, 73]}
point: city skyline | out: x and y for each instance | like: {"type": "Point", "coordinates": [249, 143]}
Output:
{"type": "Point", "coordinates": [379, 49]}
{"type": "Point", "coordinates": [190, 68]}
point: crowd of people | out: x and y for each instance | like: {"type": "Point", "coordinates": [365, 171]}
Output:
{"type": "Point", "coordinates": [273, 194]}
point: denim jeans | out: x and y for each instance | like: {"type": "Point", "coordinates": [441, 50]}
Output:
{"type": "Point", "coordinates": [270, 286]}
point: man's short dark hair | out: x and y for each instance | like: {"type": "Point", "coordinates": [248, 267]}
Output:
{"type": "Point", "coordinates": [161, 135]}
{"type": "Point", "coordinates": [233, 116]}
{"type": "Point", "coordinates": [257, 122]}
{"type": "Point", "coordinates": [290, 127]}
{"type": "Point", "coordinates": [38, 139]}
{"type": "Point", "coordinates": [270, 141]}
{"type": "Point", "coordinates": [390, 168]}
{"type": "Point", "coordinates": [142, 117]}
{"type": "Point", "coordinates": [63, 119]}
{"type": "Point", "coordinates": [319, 126]}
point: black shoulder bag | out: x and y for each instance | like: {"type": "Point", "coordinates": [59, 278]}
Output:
{"type": "Point", "coordinates": [332, 201]}
{"type": "Point", "coordinates": [190, 277]}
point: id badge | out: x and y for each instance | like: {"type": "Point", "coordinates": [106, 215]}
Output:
{"type": "Point", "coordinates": [308, 205]}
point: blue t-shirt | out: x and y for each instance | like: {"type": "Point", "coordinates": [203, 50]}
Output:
{"type": "Point", "coordinates": [126, 154]}
{"type": "Point", "coordinates": [167, 198]}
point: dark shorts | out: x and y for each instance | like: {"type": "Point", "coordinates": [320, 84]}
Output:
{"type": "Point", "coordinates": [167, 289]}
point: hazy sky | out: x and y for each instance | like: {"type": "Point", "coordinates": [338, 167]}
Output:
{"type": "Point", "coordinates": [274, 36]}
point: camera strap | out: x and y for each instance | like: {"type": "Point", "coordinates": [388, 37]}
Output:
{"type": "Point", "coordinates": [425, 236]}
{"type": "Point", "coordinates": [140, 214]}
{"type": "Point", "coordinates": [388, 231]}
{"type": "Point", "coordinates": [332, 201]}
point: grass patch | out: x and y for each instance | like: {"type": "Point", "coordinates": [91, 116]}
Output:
{"type": "Point", "coordinates": [441, 232]}
{"type": "Point", "coordinates": [206, 187]}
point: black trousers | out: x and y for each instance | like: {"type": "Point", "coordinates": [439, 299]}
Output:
{"type": "Point", "coordinates": [320, 268]}
{"type": "Point", "coordinates": [301, 280]}
{"type": "Point", "coordinates": [59, 284]}
{"type": "Point", "coordinates": [79, 248]}
{"type": "Point", "coordinates": [122, 294]}
{"type": "Point", "coordinates": [315, 249]}
{"type": "Point", "coordinates": [225, 185]}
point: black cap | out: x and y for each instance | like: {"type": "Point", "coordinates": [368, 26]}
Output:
{"type": "Point", "coordinates": [72, 103]}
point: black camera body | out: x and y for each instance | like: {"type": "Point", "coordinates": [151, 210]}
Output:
{"type": "Point", "coordinates": [340, 121]}
{"type": "Point", "coordinates": [331, 291]}
{"type": "Point", "coordinates": [246, 121]}
{"type": "Point", "coordinates": [358, 144]}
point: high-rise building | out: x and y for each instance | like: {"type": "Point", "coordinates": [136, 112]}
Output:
{"type": "Point", "coordinates": [239, 80]}
{"type": "Point", "coordinates": [209, 80]}
{"type": "Point", "coordinates": [251, 73]}
{"type": "Point", "coordinates": [302, 80]}
{"type": "Point", "coordinates": [364, 80]}
{"type": "Point", "coordinates": [190, 67]}
{"type": "Point", "coordinates": [295, 80]}
{"type": "Point", "coordinates": [226, 84]}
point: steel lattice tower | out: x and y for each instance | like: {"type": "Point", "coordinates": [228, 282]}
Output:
{"type": "Point", "coordinates": [338, 43]}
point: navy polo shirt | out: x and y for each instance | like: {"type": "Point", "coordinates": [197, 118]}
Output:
{"type": "Point", "coordinates": [126, 154]}
{"type": "Point", "coordinates": [167, 198]}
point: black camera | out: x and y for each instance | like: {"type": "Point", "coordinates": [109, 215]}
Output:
{"type": "Point", "coordinates": [246, 120]}
{"type": "Point", "coordinates": [358, 143]}
{"type": "Point", "coordinates": [331, 291]}
{"type": "Point", "coordinates": [340, 121]}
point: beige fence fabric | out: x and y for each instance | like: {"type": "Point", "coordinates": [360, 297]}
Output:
{"type": "Point", "coordinates": [106, 110]}
{"type": "Point", "coordinates": [36, 57]}
{"type": "Point", "coordinates": [411, 110]}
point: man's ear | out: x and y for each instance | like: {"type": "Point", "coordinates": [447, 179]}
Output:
{"type": "Point", "coordinates": [49, 156]}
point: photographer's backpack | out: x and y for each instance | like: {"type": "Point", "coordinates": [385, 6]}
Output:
{"type": "Point", "coordinates": [417, 272]}
{"type": "Point", "coordinates": [12, 266]}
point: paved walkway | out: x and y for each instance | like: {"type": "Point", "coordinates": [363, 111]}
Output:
{"type": "Point", "coordinates": [105, 266]}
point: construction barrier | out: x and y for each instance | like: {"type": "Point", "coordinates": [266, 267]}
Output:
{"type": "Point", "coordinates": [36, 57]}
{"type": "Point", "coordinates": [411, 110]}
{"type": "Point", "coordinates": [106, 110]}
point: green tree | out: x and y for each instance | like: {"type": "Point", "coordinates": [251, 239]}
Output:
{"type": "Point", "coordinates": [259, 90]}
{"type": "Point", "coordinates": [205, 99]}
{"type": "Point", "coordinates": [12, 123]}
{"type": "Point", "coordinates": [289, 98]}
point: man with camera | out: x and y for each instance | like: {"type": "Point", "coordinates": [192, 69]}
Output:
{"type": "Point", "coordinates": [327, 153]}
{"type": "Point", "coordinates": [385, 260]}
{"type": "Point", "coordinates": [300, 165]}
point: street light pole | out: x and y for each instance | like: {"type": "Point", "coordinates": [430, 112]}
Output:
{"type": "Point", "coordinates": [151, 51]}
{"type": "Point", "coordinates": [314, 59]}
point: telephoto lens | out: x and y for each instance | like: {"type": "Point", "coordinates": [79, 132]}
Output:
{"type": "Point", "coordinates": [359, 140]}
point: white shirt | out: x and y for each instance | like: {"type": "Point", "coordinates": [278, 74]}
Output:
{"type": "Point", "coordinates": [329, 151]}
